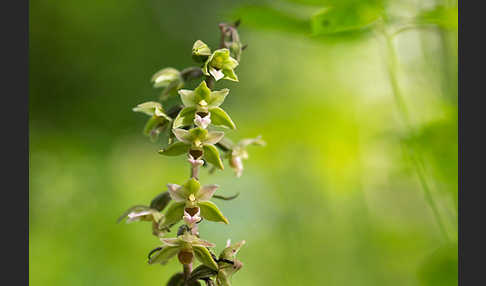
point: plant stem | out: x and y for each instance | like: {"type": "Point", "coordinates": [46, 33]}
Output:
{"type": "Point", "coordinates": [414, 156]}
{"type": "Point", "coordinates": [187, 269]}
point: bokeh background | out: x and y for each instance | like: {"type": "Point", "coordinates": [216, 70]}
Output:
{"type": "Point", "coordinates": [335, 198]}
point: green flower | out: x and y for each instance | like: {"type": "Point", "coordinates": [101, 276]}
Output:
{"type": "Point", "coordinates": [168, 78]}
{"type": "Point", "coordinates": [200, 51]}
{"type": "Point", "coordinates": [204, 102]}
{"type": "Point", "coordinates": [186, 246]}
{"type": "Point", "coordinates": [199, 143]}
{"type": "Point", "coordinates": [190, 200]}
{"type": "Point", "coordinates": [158, 119]}
{"type": "Point", "coordinates": [221, 65]}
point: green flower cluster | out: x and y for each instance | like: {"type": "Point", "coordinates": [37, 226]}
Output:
{"type": "Point", "coordinates": [195, 128]}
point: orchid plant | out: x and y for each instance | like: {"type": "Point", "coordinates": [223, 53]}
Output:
{"type": "Point", "coordinates": [195, 128]}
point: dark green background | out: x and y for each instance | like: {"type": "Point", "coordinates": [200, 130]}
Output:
{"type": "Point", "coordinates": [331, 200]}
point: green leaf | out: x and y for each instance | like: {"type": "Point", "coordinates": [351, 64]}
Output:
{"type": "Point", "coordinates": [175, 149]}
{"type": "Point", "coordinates": [211, 212]}
{"type": "Point", "coordinates": [211, 154]}
{"type": "Point", "coordinates": [268, 18]}
{"type": "Point", "coordinates": [160, 201]}
{"type": "Point", "coordinates": [185, 117]}
{"type": "Point", "coordinates": [203, 255]}
{"type": "Point", "coordinates": [174, 213]}
{"type": "Point", "coordinates": [441, 16]}
{"type": "Point", "coordinates": [344, 19]}
{"type": "Point", "coordinates": [220, 118]}
{"type": "Point", "coordinates": [164, 255]}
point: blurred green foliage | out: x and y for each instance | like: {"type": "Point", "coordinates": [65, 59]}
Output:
{"type": "Point", "coordinates": [331, 199]}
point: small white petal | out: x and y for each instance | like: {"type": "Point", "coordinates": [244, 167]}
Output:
{"type": "Point", "coordinates": [217, 74]}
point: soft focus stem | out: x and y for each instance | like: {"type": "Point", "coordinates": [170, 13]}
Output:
{"type": "Point", "coordinates": [415, 158]}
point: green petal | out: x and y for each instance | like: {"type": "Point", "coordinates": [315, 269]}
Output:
{"type": "Point", "coordinates": [203, 255]}
{"type": "Point", "coordinates": [202, 92]}
{"type": "Point", "coordinates": [175, 149]}
{"type": "Point", "coordinates": [217, 97]}
{"type": "Point", "coordinates": [221, 118]}
{"type": "Point", "coordinates": [164, 255]}
{"type": "Point", "coordinates": [211, 154]}
{"type": "Point", "coordinates": [185, 117]}
{"type": "Point", "coordinates": [174, 213]}
{"type": "Point", "coordinates": [211, 212]}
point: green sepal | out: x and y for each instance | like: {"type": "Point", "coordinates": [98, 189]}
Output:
{"type": "Point", "coordinates": [192, 186]}
{"type": "Point", "coordinates": [198, 133]}
{"type": "Point", "coordinates": [211, 212]}
{"type": "Point", "coordinates": [164, 255]}
{"type": "Point", "coordinates": [185, 117]}
{"type": "Point", "coordinates": [160, 201]}
{"type": "Point", "coordinates": [230, 75]}
{"type": "Point", "coordinates": [220, 118]}
{"type": "Point", "coordinates": [174, 213]}
{"type": "Point", "coordinates": [175, 149]}
{"type": "Point", "coordinates": [217, 97]}
{"type": "Point", "coordinates": [211, 154]}
{"type": "Point", "coordinates": [204, 256]}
